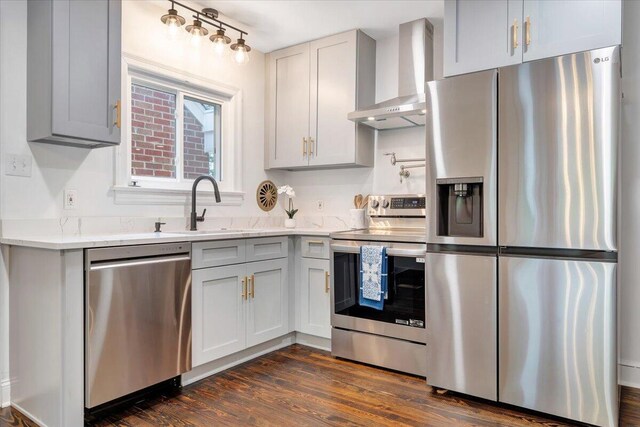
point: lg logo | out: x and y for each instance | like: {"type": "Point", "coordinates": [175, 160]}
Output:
{"type": "Point", "coordinates": [599, 60]}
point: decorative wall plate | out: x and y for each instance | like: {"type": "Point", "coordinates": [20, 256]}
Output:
{"type": "Point", "coordinates": [267, 195]}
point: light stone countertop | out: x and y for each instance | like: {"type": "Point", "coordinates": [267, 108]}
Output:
{"type": "Point", "coordinates": [96, 241]}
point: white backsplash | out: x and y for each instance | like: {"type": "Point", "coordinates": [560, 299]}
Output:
{"type": "Point", "coordinates": [93, 226]}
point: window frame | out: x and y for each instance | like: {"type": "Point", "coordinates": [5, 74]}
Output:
{"type": "Point", "coordinates": [180, 95]}
{"type": "Point", "coordinates": [161, 190]}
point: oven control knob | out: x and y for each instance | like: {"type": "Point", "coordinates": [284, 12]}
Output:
{"type": "Point", "coordinates": [385, 204]}
{"type": "Point", "coordinates": [375, 204]}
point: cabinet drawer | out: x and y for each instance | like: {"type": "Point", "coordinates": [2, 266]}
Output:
{"type": "Point", "coordinates": [315, 247]}
{"type": "Point", "coordinates": [267, 248]}
{"type": "Point", "coordinates": [217, 253]}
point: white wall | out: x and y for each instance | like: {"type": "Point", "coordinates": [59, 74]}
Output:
{"type": "Point", "coordinates": [629, 288]}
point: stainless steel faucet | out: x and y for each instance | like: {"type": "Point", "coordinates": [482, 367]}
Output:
{"type": "Point", "coordinates": [194, 215]}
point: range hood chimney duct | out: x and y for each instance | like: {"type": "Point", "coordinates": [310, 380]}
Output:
{"type": "Point", "coordinates": [415, 68]}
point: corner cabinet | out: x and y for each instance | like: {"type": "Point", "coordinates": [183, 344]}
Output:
{"type": "Point", "coordinates": [239, 305]}
{"type": "Point", "coordinates": [311, 88]}
{"type": "Point", "coordinates": [480, 35]}
{"type": "Point", "coordinates": [73, 72]}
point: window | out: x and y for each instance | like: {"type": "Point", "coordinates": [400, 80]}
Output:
{"type": "Point", "coordinates": [167, 145]}
{"type": "Point", "coordinates": [177, 126]}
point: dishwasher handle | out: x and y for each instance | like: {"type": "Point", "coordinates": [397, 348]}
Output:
{"type": "Point", "coordinates": [137, 262]}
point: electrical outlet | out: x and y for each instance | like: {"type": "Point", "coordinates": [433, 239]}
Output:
{"type": "Point", "coordinates": [320, 205]}
{"type": "Point", "coordinates": [70, 199]}
{"type": "Point", "coordinates": [18, 165]}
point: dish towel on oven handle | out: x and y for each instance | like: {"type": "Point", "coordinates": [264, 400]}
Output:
{"type": "Point", "coordinates": [373, 276]}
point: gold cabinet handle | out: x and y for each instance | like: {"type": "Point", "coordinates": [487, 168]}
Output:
{"type": "Point", "coordinates": [514, 42]}
{"type": "Point", "coordinates": [118, 108]}
{"type": "Point", "coordinates": [326, 282]}
{"type": "Point", "coordinates": [527, 31]}
{"type": "Point", "coordinates": [311, 146]}
{"type": "Point", "coordinates": [304, 146]}
{"type": "Point", "coordinates": [252, 287]}
{"type": "Point", "coordinates": [244, 288]}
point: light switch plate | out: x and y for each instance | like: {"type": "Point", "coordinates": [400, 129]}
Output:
{"type": "Point", "coordinates": [18, 165]}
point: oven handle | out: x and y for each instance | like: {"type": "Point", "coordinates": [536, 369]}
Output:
{"type": "Point", "coordinates": [399, 252]}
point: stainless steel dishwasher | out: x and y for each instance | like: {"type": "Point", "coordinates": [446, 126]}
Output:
{"type": "Point", "coordinates": [137, 318]}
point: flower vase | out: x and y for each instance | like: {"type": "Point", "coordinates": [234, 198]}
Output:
{"type": "Point", "coordinates": [290, 223]}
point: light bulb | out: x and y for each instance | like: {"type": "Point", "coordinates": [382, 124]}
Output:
{"type": "Point", "coordinates": [219, 47]}
{"type": "Point", "coordinates": [195, 38]}
{"type": "Point", "coordinates": [172, 26]}
{"type": "Point", "coordinates": [241, 56]}
{"type": "Point", "coordinates": [173, 21]}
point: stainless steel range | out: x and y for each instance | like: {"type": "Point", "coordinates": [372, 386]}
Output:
{"type": "Point", "coordinates": [394, 337]}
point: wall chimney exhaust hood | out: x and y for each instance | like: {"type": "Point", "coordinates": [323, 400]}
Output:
{"type": "Point", "coordinates": [415, 67]}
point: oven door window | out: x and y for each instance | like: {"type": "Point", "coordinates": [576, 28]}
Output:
{"type": "Point", "coordinates": [404, 302]}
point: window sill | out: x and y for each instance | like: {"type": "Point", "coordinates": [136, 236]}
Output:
{"type": "Point", "coordinates": [126, 195]}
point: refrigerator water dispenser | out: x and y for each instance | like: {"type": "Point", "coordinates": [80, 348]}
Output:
{"type": "Point", "coordinates": [460, 207]}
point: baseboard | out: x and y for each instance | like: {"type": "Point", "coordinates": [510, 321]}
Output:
{"type": "Point", "coordinates": [313, 341]}
{"type": "Point", "coordinates": [203, 371]}
{"type": "Point", "coordinates": [29, 415]}
{"type": "Point", "coordinates": [629, 376]}
{"type": "Point", "coordinates": [5, 393]}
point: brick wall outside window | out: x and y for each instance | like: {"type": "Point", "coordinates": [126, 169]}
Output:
{"type": "Point", "coordinates": [196, 160]}
{"type": "Point", "coordinates": [153, 132]}
{"type": "Point", "coordinates": [153, 136]}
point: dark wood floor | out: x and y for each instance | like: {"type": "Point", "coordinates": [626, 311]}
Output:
{"type": "Point", "coordinates": [299, 386]}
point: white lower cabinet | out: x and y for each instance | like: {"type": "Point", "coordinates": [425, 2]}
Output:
{"type": "Point", "coordinates": [238, 306]}
{"type": "Point", "coordinates": [218, 319]}
{"type": "Point", "coordinates": [267, 303]}
{"type": "Point", "coordinates": [315, 297]}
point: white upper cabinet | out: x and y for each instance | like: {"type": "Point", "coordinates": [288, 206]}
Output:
{"type": "Point", "coordinates": [288, 112]}
{"type": "Point", "coordinates": [558, 27]}
{"type": "Point", "coordinates": [310, 90]}
{"type": "Point", "coordinates": [479, 35]}
{"type": "Point", "coordinates": [485, 34]}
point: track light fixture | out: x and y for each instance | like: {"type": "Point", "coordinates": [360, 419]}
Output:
{"type": "Point", "coordinates": [241, 49]}
{"type": "Point", "coordinates": [220, 41]}
{"type": "Point", "coordinates": [172, 20]}
{"type": "Point", "coordinates": [197, 32]}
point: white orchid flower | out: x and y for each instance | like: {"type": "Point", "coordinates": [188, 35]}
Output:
{"type": "Point", "coordinates": [288, 190]}
{"type": "Point", "coordinates": [284, 189]}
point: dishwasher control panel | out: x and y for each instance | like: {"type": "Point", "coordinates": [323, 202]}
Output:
{"type": "Point", "coordinates": [137, 251]}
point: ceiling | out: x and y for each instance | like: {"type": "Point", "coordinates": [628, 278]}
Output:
{"type": "Point", "coordinates": [276, 24]}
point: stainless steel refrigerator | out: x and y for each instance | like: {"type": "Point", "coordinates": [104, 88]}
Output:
{"type": "Point", "coordinates": [557, 137]}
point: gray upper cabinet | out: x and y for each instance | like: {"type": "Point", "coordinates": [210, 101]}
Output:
{"type": "Point", "coordinates": [311, 88]}
{"type": "Point", "coordinates": [73, 72]}
{"type": "Point", "coordinates": [288, 109]}
{"type": "Point", "coordinates": [479, 35]}
{"type": "Point", "coordinates": [558, 27]}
